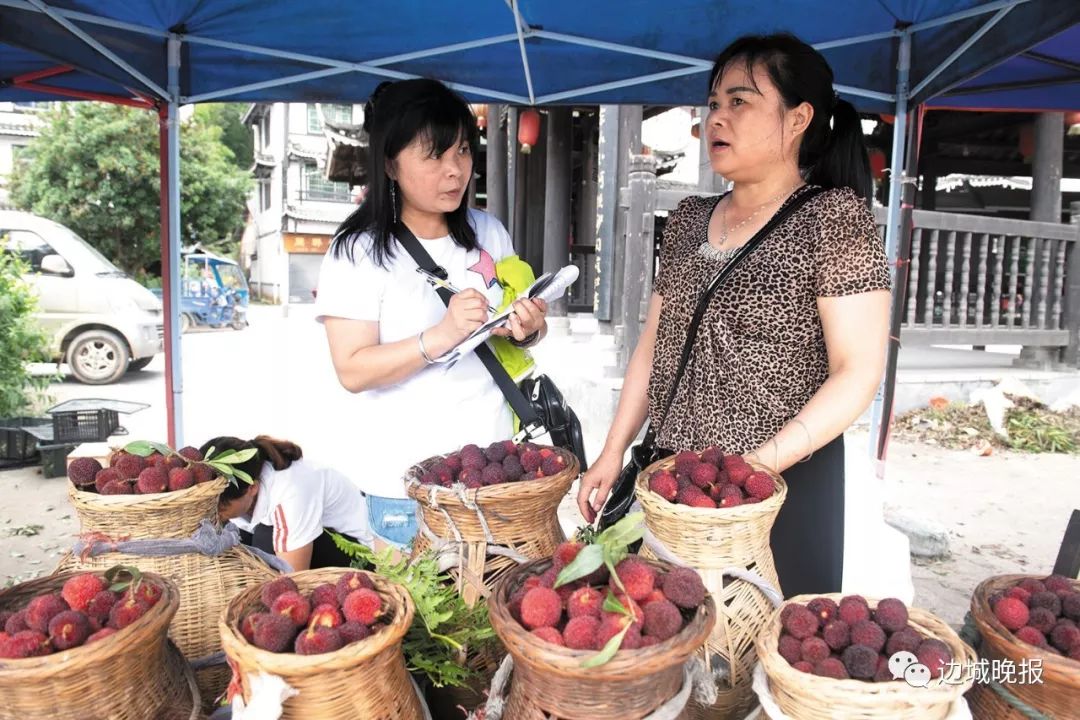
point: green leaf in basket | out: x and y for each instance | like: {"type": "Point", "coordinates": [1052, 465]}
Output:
{"type": "Point", "coordinates": [142, 448]}
{"type": "Point", "coordinates": [210, 452]}
{"type": "Point", "coordinates": [239, 456]}
{"type": "Point", "coordinates": [609, 650]}
{"type": "Point", "coordinates": [613, 555]}
{"type": "Point", "coordinates": [589, 559]}
{"type": "Point", "coordinates": [225, 455]}
{"type": "Point", "coordinates": [221, 468]}
{"type": "Point", "coordinates": [625, 532]}
{"type": "Point", "coordinates": [121, 577]}
{"type": "Point", "coordinates": [612, 604]}
{"type": "Point", "coordinates": [243, 476]}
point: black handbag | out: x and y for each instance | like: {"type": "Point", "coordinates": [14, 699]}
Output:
{"type": "Point", "coordinates": [538, 403]}
{"type": "Point", "coordinates": [646, 452]}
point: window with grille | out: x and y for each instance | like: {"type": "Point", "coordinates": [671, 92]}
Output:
{"type": "Point", "coordinates": [338, 114]}
{"type": "Point", "coordinates": [317, 187]}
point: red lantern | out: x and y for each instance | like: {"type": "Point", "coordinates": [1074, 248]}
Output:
{"type": "Point", "coordinates": [528, 129]}
{"type": "Point", "coordinates": [878, 162]}
{"type": "Point", "coordinates": [887, 119]}
{"type": "Point", "coordinates": [1027, 141]}
{"type": "Point", "coordinates": [481, 112]}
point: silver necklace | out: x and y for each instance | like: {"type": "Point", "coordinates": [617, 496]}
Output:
{"type": "Point", "coordinates": [723, 255]}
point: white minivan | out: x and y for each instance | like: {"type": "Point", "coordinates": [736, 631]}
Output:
{"type": "Point", "coordinates": [100, 321]}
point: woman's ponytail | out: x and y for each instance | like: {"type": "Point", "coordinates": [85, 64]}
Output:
{"type": "Point", "coordinates": [843, 161]}
{"type": "Point", "coordinates": [279, 453]}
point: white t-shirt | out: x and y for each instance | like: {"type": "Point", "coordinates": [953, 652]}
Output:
{"type": "Point", "coordinates": [440, 408]}
{"type": "Point", "coordinates": [303, 499]}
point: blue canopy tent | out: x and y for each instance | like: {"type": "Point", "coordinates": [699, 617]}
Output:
{"type": "Point", "coordinates": [888, 55]}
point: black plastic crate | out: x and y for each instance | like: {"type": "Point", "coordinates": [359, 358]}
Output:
{"type": "Point", "coordinates": [16, 443]}
{"type": "Point", "coordinates": [54, 459]}
{"type": "Point", "coordinates": [84, 425]}
{"type": "Point", "coordinates": [89, 419]}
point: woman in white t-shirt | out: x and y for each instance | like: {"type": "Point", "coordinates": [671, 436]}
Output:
{"type": "Point", "coordinates": [384, 323]}
{"type": "Point", "coordinates": [291, 503]}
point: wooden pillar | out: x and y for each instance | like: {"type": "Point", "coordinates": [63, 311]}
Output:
{"type": "Point", "coordinates": [629, 144]}
{"type": "Point", "coordinates": [638, 252]}
{"type": "Point", "coordinates": [496, 165]}
{"type": "Point", "coordinates": [1071, 314]}
{"type": "Point", "coordinates": [557, 198]}
{"type": "Point", "coordinates": [1046, 168]}
{"type": "Point", "coordinates": [607, 208]}
{"type": "Point", "coordinates": [585, 222]}
{"type": "Point", "coordinates": [517, 188]}
{"type": "Point", "coordinates": [535, 202]}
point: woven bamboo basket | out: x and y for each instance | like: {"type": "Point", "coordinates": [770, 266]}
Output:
{"type": "Point", "coordinates": [158, 515]}
{"type": "Point", "coordinates": [1057, 695]}
{"type": "Point", "coordinates": [711, 541]}
{"type": "Point", "coordinates": [549, 683]}
{"type": "Point", "coordinates": [135, 674]}
{"type": "Point", "coordinates": [521, 516]}
{"type": "Point", "coordinates": [364, 680]}
{"type": "Point", "coordinates": [803, 696]}
{"type": "Point", "coordinates": [206, 585]}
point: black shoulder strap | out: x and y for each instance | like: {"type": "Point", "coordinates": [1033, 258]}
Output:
{"type": "Point", "coordinates": [703, 301]}
{"type": "Point", "coordinates": [530, 419]}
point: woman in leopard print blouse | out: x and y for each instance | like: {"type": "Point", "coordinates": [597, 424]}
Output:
{"type": "Point", "coordinates": [792, 347]}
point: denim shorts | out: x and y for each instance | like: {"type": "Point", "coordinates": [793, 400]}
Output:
{"type": "Point", "coordinates": [393, 519]}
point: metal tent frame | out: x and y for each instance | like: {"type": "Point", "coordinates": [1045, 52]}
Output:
{"type": "Point", "coordinates": [146, 93]}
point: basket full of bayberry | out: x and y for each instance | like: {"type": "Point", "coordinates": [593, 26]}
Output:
{"type": "Point", "coordinates": [828, 656]}
{"type": "Point", "coordinates": [490, 504]}
{"type": "Point", "coordinates": [92, 645]}
{"type": "Point", "coordinates": [1034, 622]}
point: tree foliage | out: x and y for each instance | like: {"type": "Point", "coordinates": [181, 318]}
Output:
{"type": "Point", "coordinates": [21, 341]}
{"type": "Point", "coordinates": [95, 168]}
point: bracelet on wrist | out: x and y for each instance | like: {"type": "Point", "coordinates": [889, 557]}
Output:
{"type": "Point", "coordinates": [423, 350]}
{"type": "Point", "coordinates": [529, 341]}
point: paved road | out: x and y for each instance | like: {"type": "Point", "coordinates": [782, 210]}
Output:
{"type": "Point", "coordinates": [274, 377]}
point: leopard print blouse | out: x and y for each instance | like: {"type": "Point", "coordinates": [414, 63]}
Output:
{"type": "Point", "coordinates": [760, 352]}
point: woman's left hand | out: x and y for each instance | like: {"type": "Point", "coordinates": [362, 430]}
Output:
{"type": "Point", "coordinates": [528, 317]}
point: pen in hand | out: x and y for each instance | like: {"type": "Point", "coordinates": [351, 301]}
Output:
{"type": "Point", "coordinates": [437, 281]}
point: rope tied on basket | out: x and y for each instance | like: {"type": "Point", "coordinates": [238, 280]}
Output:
{"type": "Point", "coordinates": [970, 634]}
{"type": "Point", "coordinates": [696, 683]}
{"type": "Point", "coordinates": [91, 538]}
{"type": "Point", "coordinates": [207, 540]}
{"type": "Point", "coordinates": [721, 668]}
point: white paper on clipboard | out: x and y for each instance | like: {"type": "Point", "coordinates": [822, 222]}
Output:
{"type": "Point", "coordinates": [549, 287]}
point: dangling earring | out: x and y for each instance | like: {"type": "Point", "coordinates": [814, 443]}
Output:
{"type": "Point", "coordinates": [393, 200]}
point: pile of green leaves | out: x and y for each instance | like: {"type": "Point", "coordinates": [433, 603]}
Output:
{"type": "Point", "coordinates": [444, 627]}
{"type": "Point", "coordinates": [1033, 427]}
{"type": "Point", "coordinates": [608, 548]}
{"type": "Point", "coordinates": [22, 341]}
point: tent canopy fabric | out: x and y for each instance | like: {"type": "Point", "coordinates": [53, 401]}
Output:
{"type": "Point", "coordinates": [528, 51]}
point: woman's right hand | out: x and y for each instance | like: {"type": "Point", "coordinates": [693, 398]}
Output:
{"type": "Point", "coordinates": [466, 312]}
{"type": "Point", "coordinates": [598, 479]}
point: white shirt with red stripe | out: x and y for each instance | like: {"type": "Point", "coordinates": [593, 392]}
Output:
{"type": "Point", "coordinates": [302, 500]}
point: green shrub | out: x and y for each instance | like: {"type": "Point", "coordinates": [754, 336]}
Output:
{"type": "Point", "coordinates": [22, 341]}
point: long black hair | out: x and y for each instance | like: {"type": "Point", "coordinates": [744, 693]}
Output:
{"type": "Point", "coordinates": [279, 453]}
{"type": "Point", "coordinates": [832, 153]}
{"type": "Point", "coordinates": [396, 114]}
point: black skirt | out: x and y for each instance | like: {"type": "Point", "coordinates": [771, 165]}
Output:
{"type": "Point", "coordinates": [808, 537]}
